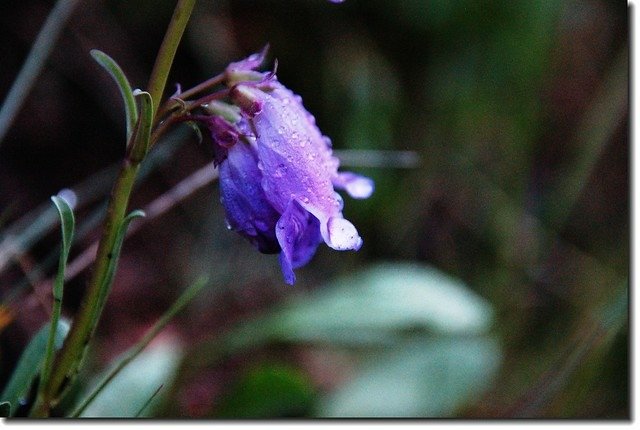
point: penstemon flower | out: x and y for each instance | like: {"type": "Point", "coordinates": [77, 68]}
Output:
{"type": "Point", "coordinates": [278, 175]}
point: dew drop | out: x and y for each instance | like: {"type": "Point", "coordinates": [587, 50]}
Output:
{"type": "Point", "coordinates": [280, 171]}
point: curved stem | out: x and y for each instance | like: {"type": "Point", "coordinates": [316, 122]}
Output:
{"type": "Point", "coordinates": [218, 79]}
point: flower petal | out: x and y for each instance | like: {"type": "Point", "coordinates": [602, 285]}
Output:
{"type": "Point", "coordinates": [358, 187]}
{"type": "Point", "coordinates": [341, 235]}
{"type": "Point", "coordinates": [298, 234]}
{"type": "Point", "coordinates": [247, 210]}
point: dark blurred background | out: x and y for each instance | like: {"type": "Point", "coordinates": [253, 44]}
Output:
{"type": "Point", "coordinates": [500, 132]}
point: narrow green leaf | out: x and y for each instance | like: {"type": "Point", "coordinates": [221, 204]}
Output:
{"type": "Point", "coordinates": [115, 255]}
{"type": "Point", "coordinates": [30, 362]}
{"type": "Point", "coordinates": [5, 409]}
{"type": "Point", "coordinates": [68, 225]}
{"type": "Point", "coordinates": [139, 143]}
{"type": "Point", "coordinates": [109, 64]}
{"type": "Point", "coordinates": [67, 222]}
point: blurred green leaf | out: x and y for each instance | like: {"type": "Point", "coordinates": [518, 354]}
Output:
{"type": "Point", "coordinates": [428, 350]}
{"type": "Point", "coordinates": [128, 392]}
{"type": "Point", "coordinates": [378, 303]}
{"type": "Point", "coordinates": [422, 378]}
{"type": "Point", "coordinates": [30, 362]}
{"type": "Point", "coordinates": [376, 306]}
{"type": "Point", "coordinates": [109, 64]}
{"type": "Point", "coordinates": [269, 390]}
{"type": "Point", "coordinates": [5, 409]}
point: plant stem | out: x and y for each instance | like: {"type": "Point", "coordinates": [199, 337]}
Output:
{"type": "Point", "coordinates": [84, 324]}
{"type": "Point", "coordinates": [168, 49]}
{"type": "Point", "coordinates": [172, 103]}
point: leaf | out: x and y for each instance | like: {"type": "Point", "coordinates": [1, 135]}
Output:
{"type": "Point", "coordinates": [30, 362]}
{"type": "Point", "coordinates": [5, 409]}
{"type": "Point", "coordinates": [131, 110]}
{"type": "Point", "coordinates": [290, 393]}
{"type": "Point", "coordinates": [377, 306]}
{"type": "Point", "coordinates": [67, 222]}
{"type": "Point", "coordinates": [115, 255]}
{"type": "Point", "coordinates": [133, 386]}
{"type": "Point", "coordinates": [381, 302]}
{"type": "Point", "coordinates": [139, 143]}
{"type": "Point", "coordinates": [421, 378]}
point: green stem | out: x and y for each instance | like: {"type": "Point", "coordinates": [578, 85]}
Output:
{"type": "Point", "coordinates": [84, 324]}
{"type": "Point", "coordinates": [168, 49]}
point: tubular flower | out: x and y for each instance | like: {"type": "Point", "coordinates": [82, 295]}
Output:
{"type": "Point", "coordinates": [278, 181]}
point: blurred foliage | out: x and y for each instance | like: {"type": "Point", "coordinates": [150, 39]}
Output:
{"type": "Point", "coordinates": [128, 392]}
{"type": "Point", "coordinates": [512, 226]}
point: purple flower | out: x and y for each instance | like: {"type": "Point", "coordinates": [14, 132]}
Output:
{"type": "Point", "coordinates": [278, 181]}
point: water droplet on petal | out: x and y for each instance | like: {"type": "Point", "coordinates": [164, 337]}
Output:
{"type": "Point", "coordinates": [280, 171]}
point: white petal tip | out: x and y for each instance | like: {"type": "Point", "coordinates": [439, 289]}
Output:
{"type": "Point", "coordinates": [343, 235]}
